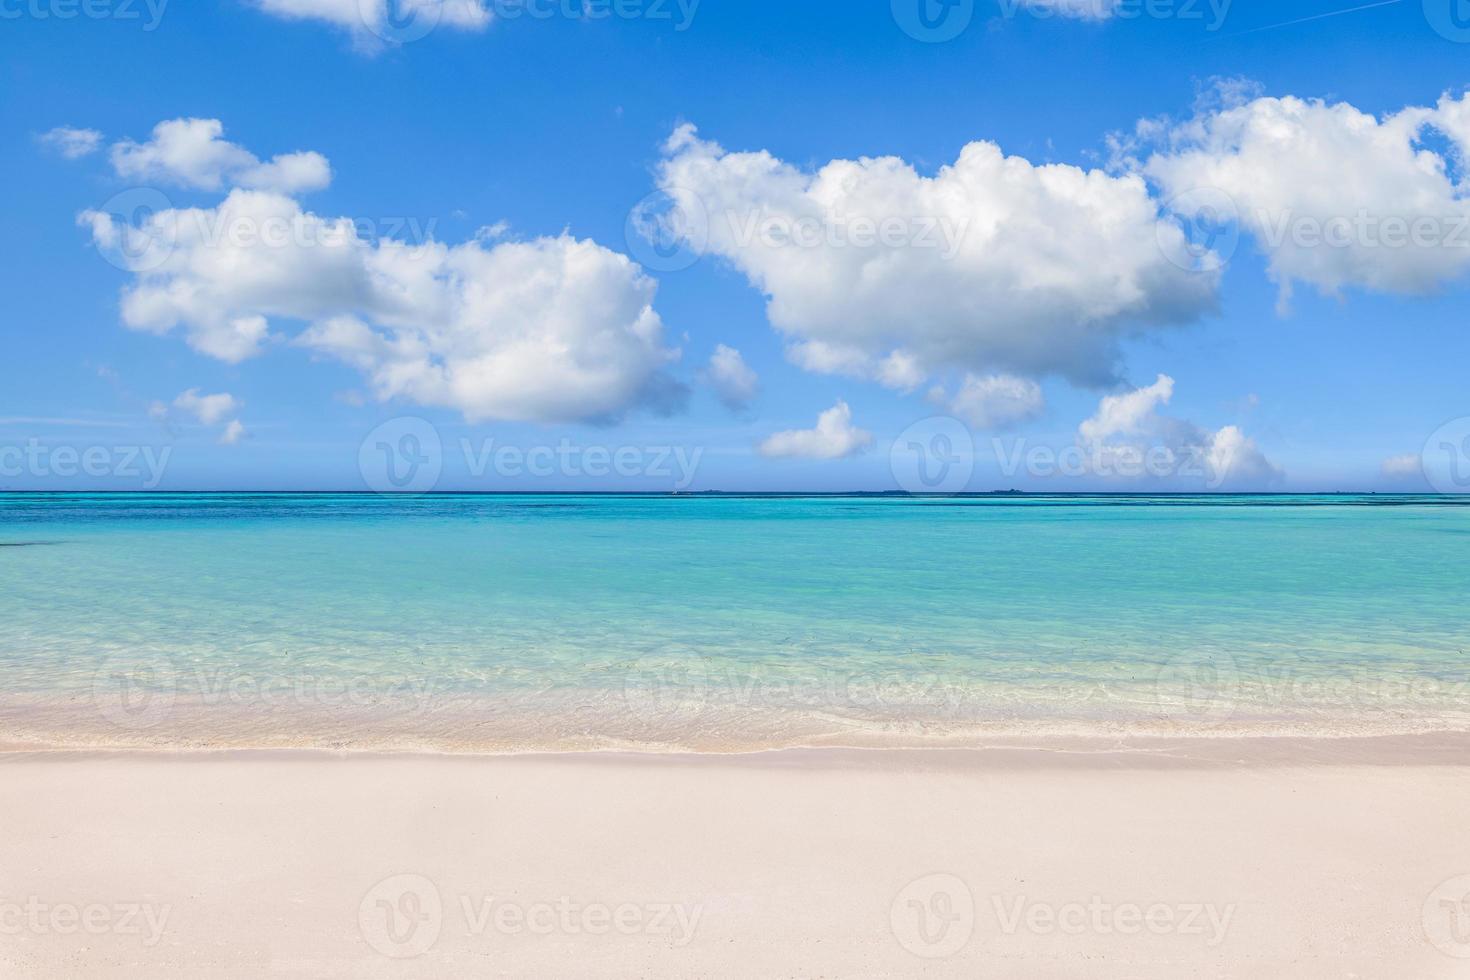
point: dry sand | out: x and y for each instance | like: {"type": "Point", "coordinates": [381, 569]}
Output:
{"type": "Point", "coordinates": [1172, 861]}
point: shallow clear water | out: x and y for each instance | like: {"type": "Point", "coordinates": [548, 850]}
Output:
{"type": "Point", "coordinates": [523, 622]}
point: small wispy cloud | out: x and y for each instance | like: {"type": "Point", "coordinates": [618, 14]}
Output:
{"type": "Point", "coordinates": [70, 142]}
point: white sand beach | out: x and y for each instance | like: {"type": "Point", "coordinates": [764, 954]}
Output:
{"type": "Point", "coordinates": [1065, 861]}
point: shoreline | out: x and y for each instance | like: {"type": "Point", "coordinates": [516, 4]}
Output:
{"type": "Point", "coordinates": [1441, 749]}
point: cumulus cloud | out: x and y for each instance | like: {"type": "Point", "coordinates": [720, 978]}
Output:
{"type": "Point", "coordinates": [994, 264]}
{"type": "Point", "coordinates": [1128, 438]}
{"type": "Point", "coordinates": [1405, 464]}
{"type": "Point", "coordinates": [996, 401]}
{"type": "Point", "coordinates": [371, 22]}
{"type": "Point", "coordinates": [1131, 413]}
{"type": "Point", "coordinates": [193, 153]}
{"type": "Point", "coordinates": [1334, 196]}
{"type": "Point", "coordinates": [208, 409]}
{"type": "Point", "coordinates": [834, 437]}
{"type": "Point", "coordinates": [735, 384]}
{"type": "Point", "coordinates": [71, 143]}
{"type": "Point", "coordinates": [554, 329]}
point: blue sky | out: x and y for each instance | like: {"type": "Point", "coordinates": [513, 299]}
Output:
{"type": "Point", "coordinates": [522, 130]}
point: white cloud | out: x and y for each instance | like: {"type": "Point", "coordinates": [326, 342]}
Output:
{"type": "Point", "coordinates": [549, 330]}
{"type": "Point", "coordinates": [72, 143]}
{"type": "Point", "coordinates": [1405, 464]}
{"type": "Point", "coordinates": [343, 13]}
{"type": "Point", "coordinates": [1233, 458]}
{"type": "Point", "coordinates": [732, 379]}
{"type": "Point", "coordinates": [192, 153]}
{"type": "Point", "coordinates": [1074, 9]}
{"type": "Point", "coordinates": [493, 232]}
{"type": "Point", "coordinates": [834, 438]}
{"type": "Point", "coordinates": [208, 409]}
{"type": "Point", "coordinates": [997, 401]}
{"type": "Point", "coordinates": [233, 433]}
{"type": "Point", "coordinates": [993, 264]}
{"type": "Point", "coordinates": [901, 371]}
{"type": "Point", "coordinates": [1334, 196]}
{"type": "Point", "coordinates": [1128, 438]}
{"type": "Point", "coordinates": [1128, 414]}
{"type": "Point", "coordinates": [371, 21]}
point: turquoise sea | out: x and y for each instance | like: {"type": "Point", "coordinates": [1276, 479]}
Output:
{"type": "Point", "coordinates": [515, 623]}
